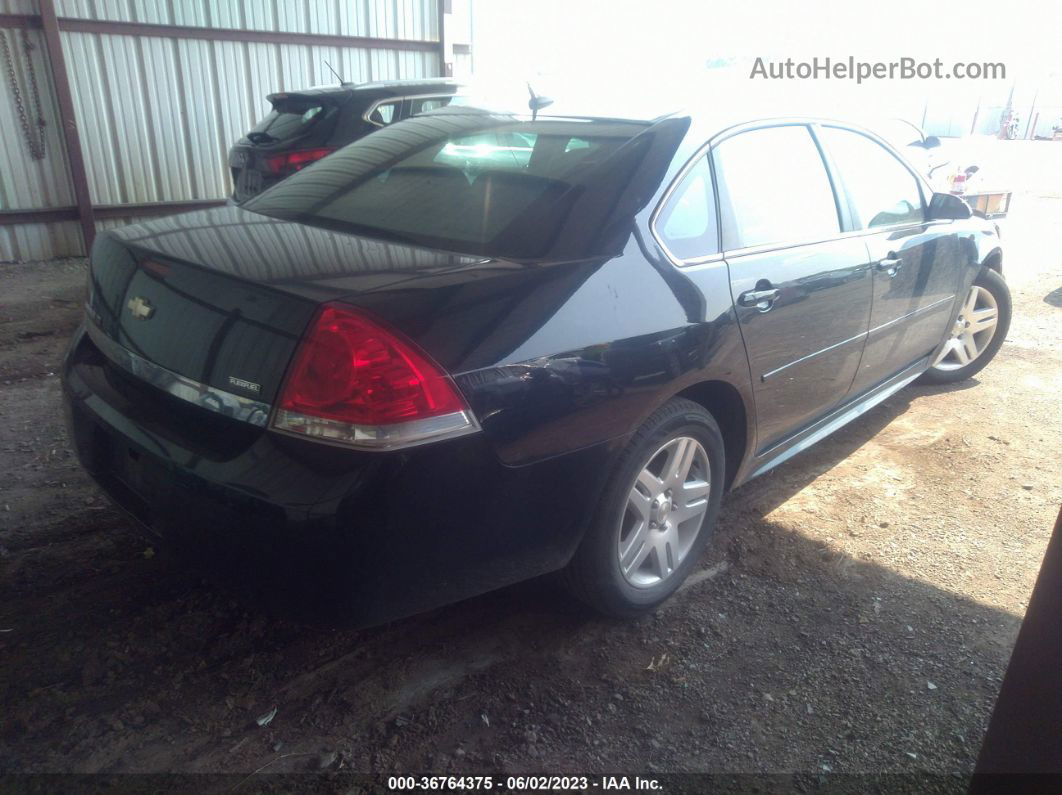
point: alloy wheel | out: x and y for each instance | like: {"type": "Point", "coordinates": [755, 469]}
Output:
{"type": "Point", "coordinates": [972, 331]}
{"type": "Point", "coordinates": [665, 509]}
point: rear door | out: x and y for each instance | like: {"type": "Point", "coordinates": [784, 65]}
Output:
{"type": "Point", "coordinates": [802, 292]}
{"type": "Point", "coordinates": [916, 265]}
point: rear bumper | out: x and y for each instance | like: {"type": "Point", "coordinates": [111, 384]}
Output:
{"type": "Point", "coordinates": [377, 535]}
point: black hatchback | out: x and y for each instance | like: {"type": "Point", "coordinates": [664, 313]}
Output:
{"type": "Point", "coordinates": [305, 126]}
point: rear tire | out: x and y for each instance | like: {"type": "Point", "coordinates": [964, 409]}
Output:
{"type": "Point", "coordinates": [656, 513]}
{"type": "Point", "coordinates": [967, 351]}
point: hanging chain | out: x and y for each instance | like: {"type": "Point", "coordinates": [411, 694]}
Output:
{"type": "Point", "coordinates": [35, 140]}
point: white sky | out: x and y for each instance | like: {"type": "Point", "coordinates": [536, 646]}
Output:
{"type": "Point", "coordinates": [640, 44]}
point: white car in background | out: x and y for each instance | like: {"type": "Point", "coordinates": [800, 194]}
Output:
{"type": "Point", "coordinates": [951, 164]}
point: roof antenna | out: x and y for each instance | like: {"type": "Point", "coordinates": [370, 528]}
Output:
{"type": "Point", "coordinates": [537, 103]}
{"type": "Point", "coordinates": [333, 71]}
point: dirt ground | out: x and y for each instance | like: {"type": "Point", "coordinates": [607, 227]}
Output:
{"type": "Point", "coordinates": [855, 610]}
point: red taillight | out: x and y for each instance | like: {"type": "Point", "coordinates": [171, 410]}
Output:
{"type": "Point", "coordinates": [356, 382]}
{"type": "Point", "coordinates": [290, 162]}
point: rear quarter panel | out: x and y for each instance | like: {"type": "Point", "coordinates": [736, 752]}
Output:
{"type": "Point", "coordinates": [560, 357]}
{"type": "Point", "coordinates": [557, 358]}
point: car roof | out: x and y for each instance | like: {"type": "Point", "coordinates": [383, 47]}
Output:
{"type": "Point", "coordinates": [713, 101]}
{"type": "Point", "coordinates": [374, 90]}
{"type": "Point", "coordinates": [404, 86]}
{"type": "Point", "coordinates": [704, 121]}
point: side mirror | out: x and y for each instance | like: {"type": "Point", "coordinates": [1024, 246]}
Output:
{"type": "Point", "coordinates": [931, 142]}
{"type": "Point", "coordinates": [945, 207]}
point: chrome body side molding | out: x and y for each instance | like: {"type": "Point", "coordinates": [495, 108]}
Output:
{"type": "Point", "coordinates": [207, 397]}
{"type": "Point", "coordinates": [836, 420]}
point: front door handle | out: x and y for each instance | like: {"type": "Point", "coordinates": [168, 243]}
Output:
{"type": "Point", "coordinates": [890, 265]}
{"type": "Point", "coordinates": [760, 299]}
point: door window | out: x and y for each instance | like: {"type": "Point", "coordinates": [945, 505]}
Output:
{"type": "Point", "coordinates": [383, 114]}
{"type": "Point", "coordinates": [882, 189]}
{"type": "Point", "coordinates": [773, 188]}
{"type": "Point", "coordinates": [687, 224]}
{"type": "Point", "coordinates": [424, 104]}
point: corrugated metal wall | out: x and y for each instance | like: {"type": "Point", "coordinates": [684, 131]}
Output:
{"type": "Point", "coordinates": [157, 115]}
{"type": "Point", "coordinates": [24, 182]}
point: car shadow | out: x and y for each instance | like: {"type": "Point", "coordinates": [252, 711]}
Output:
{"type": "Point", "coordinates": [275, 584]}
{"type": "Point", "coordinates": [767, 492]}
{"type": "Point", "coordinates": [783, 653]}
{"type": "Point", "coordinates": [1054, 298]}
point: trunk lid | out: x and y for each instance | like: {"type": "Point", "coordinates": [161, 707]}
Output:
{"type": "Point", "coordinates": [194, 321]}
{"type": "Point", "coordinates": [223, 296]}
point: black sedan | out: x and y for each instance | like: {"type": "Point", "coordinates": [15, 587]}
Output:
{"type": "Point", "coordinates": [477, 347]}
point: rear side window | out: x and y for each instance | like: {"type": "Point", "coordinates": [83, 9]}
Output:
{"type": "Point", "coordinates": [687, 223]}
{"type": "Point", "coordinates": [773, 188]}
{"type": "Point", "coordinates": [383, 114]}
{"type": "Point", "coordinates": [883, 191]}
{"type": "Point", "coordinates": [290, 119]}
{"type": "Point", "coordinates": [424, 104]}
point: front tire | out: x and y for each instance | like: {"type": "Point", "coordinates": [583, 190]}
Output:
{"type": "Point", "coordinates": [656, 514]}
{"type": "Point", "coordinates": [977, 334]}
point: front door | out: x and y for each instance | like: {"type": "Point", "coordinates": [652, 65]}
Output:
{"type": "Point", "coordinates": [916, 265]}
{"type": "Point", "coordinates": [802, 293]}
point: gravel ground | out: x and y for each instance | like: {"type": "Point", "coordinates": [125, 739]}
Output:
{"type": "Point", "coordinates": [855, 610]}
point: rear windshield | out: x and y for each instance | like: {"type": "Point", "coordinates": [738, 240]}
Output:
{"type": "Point", "coordinates": [290, 118]}
{"type": "Point", "coordinates": [471, 182]}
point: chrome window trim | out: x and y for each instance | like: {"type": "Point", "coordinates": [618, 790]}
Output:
{"type": "Point", "coordinates": [737, 129]}
{"type": "Point", "coordinates": [237, 407]}
{"type": "Point", "coordinates": [397, 100]}
{"type": "Point", "coordinates": [660, 205]}
{"type": "Point", "coordinates": [760, 248]}
{"type": "Point", "coordinates": [695, 261]}
{"type": "Point", "coordinates": [768, 247]}
{"type": "Point", "coordinates": [920, 181]}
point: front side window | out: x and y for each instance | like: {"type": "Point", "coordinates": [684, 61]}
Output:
{"type": "Point", "coordinates": [687, 224]}
{"type": "Point", "coordinates": [883, 191]}
{"type": "Point", "coordinates": [773, 188]}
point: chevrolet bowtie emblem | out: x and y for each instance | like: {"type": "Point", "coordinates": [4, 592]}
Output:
{"type": "Point", "coordinates": [140, 308]}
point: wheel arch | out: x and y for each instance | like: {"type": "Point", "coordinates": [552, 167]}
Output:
{"type": "Point", "coordinates": [724, 402]}
{"type": "Point", "coordinates": [994, 260]}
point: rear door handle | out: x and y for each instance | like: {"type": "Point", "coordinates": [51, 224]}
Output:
{"type": "Point", "coordinates": [761, 299]}
{"type": "Point", "coordinates": [890, 265]}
